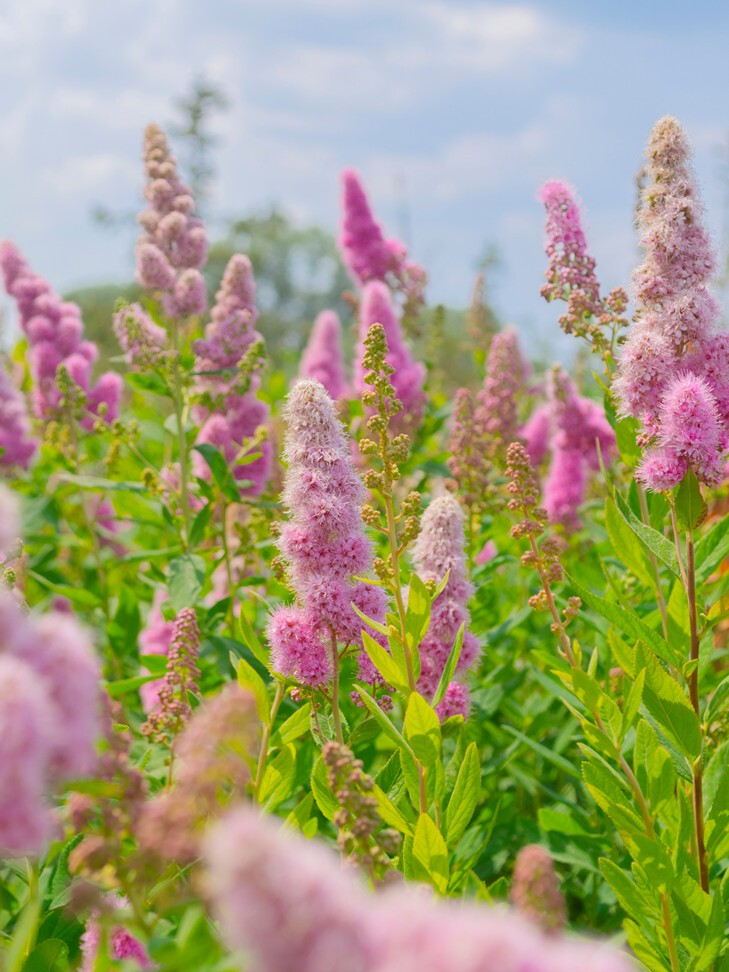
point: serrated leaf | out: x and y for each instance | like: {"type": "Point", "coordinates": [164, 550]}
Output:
{"type": "Point", "coordinates": [385, 663]}
{"type": "Point", "coordinates": [667, 702]}
{"type": "Point", "coordinates": [422, 731]}
{"type": "Point", "coordinates": [450, 666]}
{"type": "Point", "coordinates": [632, 702]}
{"type": "Point", "coordinates": [718, 702]}
{"type": "Point", "coordinates": [383, 720]}
{"type": "Point", "coordinates": [464, 797]}
{"type": "Point", "coordinates": [653, 541]}
{"type": "Point", "coordinates": [430, 851]}
{"type": "Point", "coordinates": [627, 545]}
{"type": "Point", "coordinates": [294, 727]}
{"type": "Point", "coordinates": [626, 891]}
{"type": "Point", "coordinates": [320, 788]}
{"type": "Point", "coordinates": [222, 475]}
{"type": "Point", "coordinates": [251, 641]}
{"type": "Point", "coordinates": [690, 506]}
{"type": "Point", "coordinates": [389, 812]}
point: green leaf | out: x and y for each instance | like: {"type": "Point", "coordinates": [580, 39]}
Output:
{"type": "Point", "coordinates": [417, 615]}
{"type": "Point", "coordinates": [222, 475]}
{"type": "Point", "coordinates": [320, 788]}
{"type": "Point", "coordinates": [385, 663]}
{"type": "Point", "coordinates": [564, 764]}
{"type": "Point", "coordinates": [430, 851]}
{"type": "Point", "coordinates": [562, 823]}
{"type": "Point", "coordinates": [464, 796]}
{"type": "Point", "coordinates": [251, 641]}
{"type": "Point", "coordinates": [249, 678]}
{"type": "Point", "coordinates": [389, 812]}
{"type": "Point", "coordinates": [155, 664]}
{"type": "Point", "coordinates": [124, 685]}
{"type": "Point", "coordinates": [712, 550]}
{"type": "Point", "coordinates": [450, 666]}
{"type": "Point", "coordinates": [632, 703]}
{"type": "Point", "coordinates": [383, 721]}
{"type": "Point", "coordinates": [653, 541]}
{"type": "Point", "coordinates": [50, 956]}
{"type": "Point", "coordinates": [629, 623]}
{"type": "Point", "coordinates": [375, 625]}
{"type": "Point", "coordinates": [278, 779]}
{"type": "Point", "coordinates": [186, 578]}
{"type": "Point", "coordinates": [718, 701]}
{"type": "Point", "coordinates": [630, 898]}
{"type": "Point", "coordinates": [422, 731]}
{"type": "Point", "coordinates": [294, 727]}
{"type": "Point", "coordinates": [627, 545]}
{"type": "Point", "coordinates": [690, 506]}
{"type": "Point", "coordinates": [667, 702]}
{"type": "Point", "coordinates": [147, 382]}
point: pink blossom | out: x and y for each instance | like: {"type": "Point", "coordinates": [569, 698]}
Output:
{"type": "Point", "coordinates": [142, 341]}
{"type": "Point", "coordinates": [535, 890]}
{"type": "Point", "coordinates": [121, 945]}
{"type": "Point", "coordinates": [496, 414]}
{"type": "Point", "coordinates": [154, 639]}
{"type": "Point", "coordinates": [17, 447]}
{"type": "Point", "coordinates": [55, 337]}
{"type": "Point", "coordinates": [454, 702]}
{"type": "Point", "coordinates": [691, 433]}
{"type": "Point", "coordinates": [26, 739]}
{"type": "Point", "coordinates": [536, 433]}
{"type": "Point", "coordinates": [173, 244]}
{"type": "Point", "coordinates": [231, 330]}
{"type": "Point", "coordinates": [565, 487]}
{"type": "Point", "coordinates": [323, 540]}
{"type": "Point", "coordinates": [439, 549]}
{"type": "Point", "coordinates": [322, 358]}
{"type": "Point", "coordinates": [409, 376]}
{"type": "Point", "coordinates": [487, 553]}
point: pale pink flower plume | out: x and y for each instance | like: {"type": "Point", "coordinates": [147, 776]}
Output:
{"type": "Point", "coordinates": [322, 358]}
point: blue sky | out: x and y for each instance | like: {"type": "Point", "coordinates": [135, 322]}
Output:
{"type": "Point", "coordinates": [453, 112]}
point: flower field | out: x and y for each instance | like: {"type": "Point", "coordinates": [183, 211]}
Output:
{"type": "Point", "coordinates": [339, 672]}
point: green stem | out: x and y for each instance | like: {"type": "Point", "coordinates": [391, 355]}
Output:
{"type": "Point", "coordinates": [397, 587]}
{"type": "Point", "coordinates": [654, 564]}
{"type": "Point", "coordinates": [336, 714]}
{"type": "Point", "coordinates": [181, 439]}
{"type": "Point", "coordinates": [263, 751]}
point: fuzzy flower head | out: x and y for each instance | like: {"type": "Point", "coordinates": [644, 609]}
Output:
{"type": "Point", "coordinates": [468, 462]}
{"type": "Point", "coordinates": [17, 447]}
{"type": "Point", "coordinates": [173, 244]}
{"type": "Point", "coordinates": [440, 550]}
{"type": "Point", "coordinates": [408, 376]}
{"type": "Point", "coordinates": [497, 410]}
{"type": "Point", "coordinates": [232, 327]}
{"type": "Point", "coordinates": [57, 349]}
{"type": "Point", "coordinates": [322, 358]}
{"type": "Point", "coordinates": [323, 542]}
{"type": "Point", "coordinates": [368, 255]}
{"type": "Point", "coordinates": [142, 341]}
{"type": "Point", "coordinates": [535, 890]}
{"type": "Point", "coordinates": [181, 677]}
{"type": "Point", "coordinates": [691, 434]}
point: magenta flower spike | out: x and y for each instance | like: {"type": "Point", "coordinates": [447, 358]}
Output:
{"type": "Point", "coordinates": [323, 541]}
{"type": "Point", "coordinates": [173, 245]}
{"type": "Point", "coordinates": [323, 359]}
{"type": "Point", "coordinates": [409, 376]}
{"type": "Point", "coordinates": [440, 549]}
{"type": "Point", "coordinates": [54, 330]}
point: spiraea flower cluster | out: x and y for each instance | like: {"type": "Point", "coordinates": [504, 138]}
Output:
{"type": "Point", "coordinates": [17, 446]}
{"type": "Point", "coordinates": [323, 542]}
{"type": "Point", "coordinates": [439, 550]}
{"type": "Point", "coordinates": [320, 918]}
{"type": "Point", "coordinates": [322, 358]}
{"type": "Point", "coordinates": [674, 371]}
{"type": "Point", "coordinates": [579, 436]}
{"type": "Point", "coordinates": [142, 341]}
{"type": "Point", "coordinates": [121, 943]}
{"type": "Point", "coordinates": [408, 375]}
{"type": "Point", "coordinates": [468, 462]}
{"type": "Point", "coordinates": [535, 890]}
{"type": "Point", "coordinates": [369, 256]}
{"type": "Point", "coordinates": [361, 838]}
{"type": "Point", "coordinates": [173, 706]}
{"type": "Point", "coordinates": [229, 359]}
{"type": "Point", "coordinates": [571, 276]}
{"type": "Point", "coordinates": [58, 353]}
{"type": "Point", "coordinates": [496, 415]}
{"type": "Point", "coordinates": [49, 718]}
{"type": "Point", "coordinates": [174, 243]}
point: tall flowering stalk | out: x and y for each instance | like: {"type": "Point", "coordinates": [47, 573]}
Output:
{"type": "Point", "coordinates": [535, 890]}
{"type": "Point", "coordinates": [571, 277]}
{"type": "Point", "coordinates": [496, 416]}
{"type": "Point", "coordinates": [323, 545]}
{"type": "Point", "coordinates": [54, 330]}
{"type": "Point", "coordinates": [322, 358]}
{"type": "Point", "coordinates": [173, 709]}
{"type": "Point", "coordinates": [407, 376]}
{"type": "Point", "coordinates": [369, 256]}
{"type": "Point", "coordinates": [437, 551]}
{"type": "Point", "coordinates": [228, 364]}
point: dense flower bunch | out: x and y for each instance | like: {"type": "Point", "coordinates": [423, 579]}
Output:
{"type": "Point", "coordinates": [323, 543]}
{"type": "Point", "coordinates": [320, 919]}
{"type": "Point", "coordinates": [408, 376]}
{"type": "Point", "coordinates": [439, 550]}
{"type": "Point", "coordinates": [579, 437]}
{"type": "Point", "coordinates": [468, 463]}
{"type": "Point", "coordinates": [54, 330]}
{"type": "Point", "coordinates": [174, 243]}
{"type": "Point", "coordinates": [173, 706]}
{"type": "Point", "coordinates": [142, 341]}
{"type": "Point", "coordinates": [121, 943]}
{"type": "Point", "coordinates": [535, 890]}
{"type": "Point", "coordinates": [49, 715]}
{"type": "Point", "coordinates": [496, 415]}
{"type": "Point", "coordinates": [571, 275]}
{"type": "Point", "coordinates": [17, 447]}
{"type": "Point", "coordinates": [674, 370]}
{"type": "Point", "coordinates": [322, 358]}
{"type": "Point", "coordinates": [368, 255]}
{"type": "Point", "coordinates": [228, 365]}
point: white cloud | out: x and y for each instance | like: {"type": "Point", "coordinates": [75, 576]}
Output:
{"type": "Point", "coordinates": [88, 174]}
